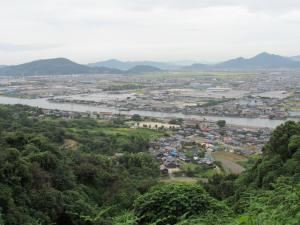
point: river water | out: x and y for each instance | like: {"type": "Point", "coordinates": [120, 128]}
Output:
{"type": "Point", "coordinates": [45, 104]}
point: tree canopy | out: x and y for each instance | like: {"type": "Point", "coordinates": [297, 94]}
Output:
{"type": "Point", "coordinates": [92, 172]}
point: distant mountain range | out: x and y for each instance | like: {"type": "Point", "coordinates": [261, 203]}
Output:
{"type": "Point", "coordinates": [143, 69]}
{"type": "Point", "coordinates": [197, 66]}
{"type": "Point", "coordinates": [126, 65]}
{"type": "Point", "coordinates": [261, 61]}
{"type": "Point", "coordinates": [63, 66]}
{"type": "Point", "coordinates": [295, 58]}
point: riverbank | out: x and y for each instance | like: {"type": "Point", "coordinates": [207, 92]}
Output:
{"type": "Point", "coordinates": [45, 104]}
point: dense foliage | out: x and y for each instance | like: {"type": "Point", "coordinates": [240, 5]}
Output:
{"type": "Point", "coordinates": [165, 204]}
{"type": "Point", "coordinates": [65, 171]}
{"type": "Point", "coordinates": [90, 172]}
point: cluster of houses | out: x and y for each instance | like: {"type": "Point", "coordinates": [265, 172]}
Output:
{"type": "Point", "coordinates": [171, 151]}
{"type": "Point", "coordinates": [191, 142]}
{"type": "Point", "coordinates": [248, 107]}
{"type": "Point", "coordinates": [194, 143]}
{"type": "Point", "coordinates": [73, 114]}
{"type": "Point", "coordinates": [168, 95]}
{"type": "Point", "coordinates": [241, 140]}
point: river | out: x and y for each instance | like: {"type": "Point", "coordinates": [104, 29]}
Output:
{"type": "Point", "coordinates": [45, 104]}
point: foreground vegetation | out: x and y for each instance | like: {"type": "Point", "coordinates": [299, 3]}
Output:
{"type": "Point", "coordinates": [44, 179]}
{"type": "Point", "coordinates": [90, 172]}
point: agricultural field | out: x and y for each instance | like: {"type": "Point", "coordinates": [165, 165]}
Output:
{"type": "Point", "coordinates": [230, 161]}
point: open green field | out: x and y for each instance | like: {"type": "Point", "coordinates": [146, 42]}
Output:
{"type": "Point", "coordinates": [145, 133]}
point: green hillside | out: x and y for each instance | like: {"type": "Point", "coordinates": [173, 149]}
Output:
{"type": "Point", "coordinates": [92, 172]}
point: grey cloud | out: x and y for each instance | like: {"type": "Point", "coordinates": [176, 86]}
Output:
{"type": "Point", "coordinates": [256, 5]}
{"type": "Point", "coordinates": [144, 5]}
{"type": "Point", "coordinates": [10, 47]}
{"type": "Point", "coordinates": [147, 29]}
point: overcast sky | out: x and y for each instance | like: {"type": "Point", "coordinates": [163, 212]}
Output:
{"type": "Point", "coordinates": [166, 30]}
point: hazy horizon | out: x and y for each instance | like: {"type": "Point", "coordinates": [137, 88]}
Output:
{"type": "Point", "coordinates": [157, 30]}
{"type": "Point", "coordinates": [184, 62]}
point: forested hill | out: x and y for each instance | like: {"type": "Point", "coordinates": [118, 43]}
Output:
{"type": "Point", "coordinates": [63, 66]}
{"type": "Point", "coordinates": [92, 172]}
{"type": "Point", "coordinates": [65, 172]}
{"type": "Point", "coordinates": [56, 66]}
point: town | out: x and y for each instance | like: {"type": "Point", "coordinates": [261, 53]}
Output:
{"type": "Point", "coordinates": [215, 122]}
{"type": "Point", "coordinates": [220, 94]}
{"type": "Point", "coordinates": [215, 147]}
